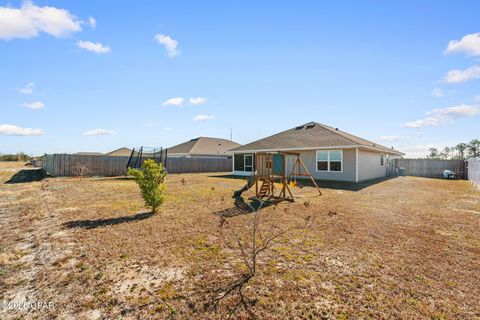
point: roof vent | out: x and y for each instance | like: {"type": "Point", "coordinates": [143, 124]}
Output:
{"type": "Point", "coordinates": [195, 139]}
{"type": "Point", "coordinates": [310, 126]}
{"type": "Point", "coordinates": [299, 128]}
{"type": "Point", "coordinates": [336, 129]}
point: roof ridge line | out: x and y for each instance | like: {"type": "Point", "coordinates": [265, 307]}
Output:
{"type": "Point", "coordinates": [336, 132]}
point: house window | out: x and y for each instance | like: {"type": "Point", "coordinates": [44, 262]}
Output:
{"type": "Point", "coordinates": [382, 159]}
{"type": "Point", "coordinates": [322, 160]}
{"type": "Point", "coordinates": [336, 160]}
{"type": "Point", "coordinates": [248, 162]}
{"type": "Point", "coordinates": [243, 162]}
{"type": "Point", "coordinates": [330, 160]}
{"type": "Point", "coordinates": [239, 164]}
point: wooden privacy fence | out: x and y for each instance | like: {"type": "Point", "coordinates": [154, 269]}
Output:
{"type": "Point", "coordinates": [474, 171]}
{"type": "Point", "coordinates": [66, 165]}
{"type": "Point", "coordinates": [429, 168]}
{"type": "Point", "coordinates": [192, 165]}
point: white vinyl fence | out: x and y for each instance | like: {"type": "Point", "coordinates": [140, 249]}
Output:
{"type": "Point", "coordinates": [474, 171]}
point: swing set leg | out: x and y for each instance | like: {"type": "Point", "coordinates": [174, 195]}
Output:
{"type": "Point", "coordinates": [311, 178]}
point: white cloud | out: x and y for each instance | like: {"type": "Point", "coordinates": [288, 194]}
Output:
{"type": "Point", "coordinates": [440, 117]}
{"type": "Point", "coordinates": [427, 122]}
{"type": "Point", "coordinates": [93, 47]}
{"type": "Point", "coordinates": [34, 105]}
{"type": "Point", "coordinates": [148, 125]}
{"type": "Point", "coordinates": [99, 132]}
{"type": "Point", "coordinates": [12, 130]}
{"type": "Point", "coordinates": [469, 44]}
{"type": "Point", "coordinates": [92, 23]}
{"type": "Point", "coordinates": [179, 101]}
{"type": "Point", "coordinates": [169, 43]}
{"type": "Point", "coordinates": [398, 138]}
{"type": "Point", "coordinates": [437, 93]}
{"type": "Point", "coordinates": [197, 100]}
{"type": "Point", "coordinates": [29, 20]}
{"type": "Point", "coordinates": [462, 110]}
{"type": "Point", "coordinates": [203, 117]}
{"type": "Point", "coordinates": [28, 89]}
{"type": "Point", "coordinates": [168, 129]}
{"type": "Point", "coordinates": [417, 151]}
{"type": "Point", "coordinates": [458, 76]}
{"type": "Point", "coordinates": [477, 98]}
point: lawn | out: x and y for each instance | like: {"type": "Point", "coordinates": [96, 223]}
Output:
{"type": "Point", "coordinates": [403, 248]}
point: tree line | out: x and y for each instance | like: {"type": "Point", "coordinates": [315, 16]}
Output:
{"type": "Point", "coordinates": [20, 156]}
{"type": "Point", "coordinates": [461, 151]}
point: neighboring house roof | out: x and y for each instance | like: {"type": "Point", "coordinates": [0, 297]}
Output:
{"type": "Point", "coordinates": [311, 135]}
{"type": "Point", "coordinates": [89, 153]}
{"type": "Point", "coordinates": [125, 152]}
{"type": "Point", "coordinates": [203, 146]}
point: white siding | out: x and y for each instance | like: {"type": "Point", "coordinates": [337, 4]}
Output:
{"type": "Point", "coordinates": [369, 165]}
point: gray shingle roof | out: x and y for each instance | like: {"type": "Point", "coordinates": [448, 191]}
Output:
{"type": "Point", "coordinates": [310, 135]}
{"type": "Point", "coordinates": [124, 151]}
{"type": "Point", "coordinates": [203, 146]}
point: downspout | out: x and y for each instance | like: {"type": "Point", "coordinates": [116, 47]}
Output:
{"type": "Point", "coordinates": [356, 164]}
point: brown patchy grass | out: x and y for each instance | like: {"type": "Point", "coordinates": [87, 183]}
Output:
{"type": "Point", "coordinates": [7, 169]}
{"type": "Point", "coordinates": [405, 248]}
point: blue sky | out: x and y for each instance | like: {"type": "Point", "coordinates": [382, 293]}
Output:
{"type": "Point", "coordinates": [402, 73]}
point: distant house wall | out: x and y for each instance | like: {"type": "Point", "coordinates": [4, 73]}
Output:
{"type": "Point", "coordinates": [369, 165]}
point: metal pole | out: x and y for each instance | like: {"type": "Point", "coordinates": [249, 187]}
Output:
{"type": "Point", "coordinates": [130, 159]}
{"type": "Point", "coordinates": [166, 153]}
{"type": "Point", "coordinates": [140, 157]}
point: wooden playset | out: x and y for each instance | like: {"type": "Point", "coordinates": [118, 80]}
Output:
{"type": "Point", "coordinates": [276, 167]}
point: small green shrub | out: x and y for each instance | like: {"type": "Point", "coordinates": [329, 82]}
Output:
{"type": "Point", "coordinates": [151, 180]}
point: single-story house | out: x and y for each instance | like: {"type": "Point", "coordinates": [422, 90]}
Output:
{"type": "Point", "coordinates": [328, 153]}
{"type": "Point", "coordinates": [120, 152]}
{"type": "Point", "coordinates": [203, 147]}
